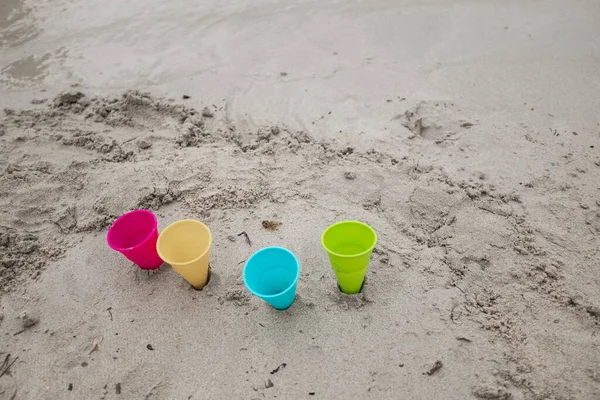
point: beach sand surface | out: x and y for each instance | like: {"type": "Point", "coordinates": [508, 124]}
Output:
{"type": "Point", "coordinates": [466, 133]}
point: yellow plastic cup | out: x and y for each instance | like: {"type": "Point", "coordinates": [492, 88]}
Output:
{"type": "Point", "coordinates": [349, 245]}
{"type": "Point", "coordinates": [185, 245]}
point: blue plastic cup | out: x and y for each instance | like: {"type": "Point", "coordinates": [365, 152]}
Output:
{"type": "Point", "coordinates": [272, 275]}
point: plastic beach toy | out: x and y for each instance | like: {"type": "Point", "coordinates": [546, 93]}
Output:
{"type": "Point", "coordinates": [134, 235]}
{"type": "Point", "coordinates": [185, 245]}
{"type": "Point", "coordinates": [272, 275]}
{"type": "Point", "coordinates": [349, 245]}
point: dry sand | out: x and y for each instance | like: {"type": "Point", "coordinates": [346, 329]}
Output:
{"type": "Point", "coordinates": [478, 168]}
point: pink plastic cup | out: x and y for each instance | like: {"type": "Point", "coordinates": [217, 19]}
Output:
{"type": "Point", "coordinates": [134, 235]}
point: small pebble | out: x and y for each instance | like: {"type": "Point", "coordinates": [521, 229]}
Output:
{"type": "Point", "coordinates": [350, 176]}
{"type": "Point", "coordinates": [207, 113]}
{"type": "Point", "coordinates": [144, 144]}
{"type": "Point", "coordinates": [593, 311]}
{"type": "Point", "coordinates": [28, 320]}
{"type": "Point", "coordinates": [185, 97]}
{"type": "Point", "coordinates": [576, 300]}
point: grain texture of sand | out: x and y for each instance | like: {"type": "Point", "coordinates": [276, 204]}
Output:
{"type": "Point", "coordinates": [465, 132]}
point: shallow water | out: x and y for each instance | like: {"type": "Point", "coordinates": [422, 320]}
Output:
{"type": "Point", "coordinates": [321, 66]}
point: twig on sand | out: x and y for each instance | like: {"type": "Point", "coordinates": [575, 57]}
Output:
{"type": "Point", "coordinates": [280, 367]}
{"type": "Point", "coordinates": [96, 344]}
{"type": "Point", "coordinates": [436, 367]}
{"type": "Point", "coordinates": [130, 140]}
{"type": "Point", "coordinates": [5, 363]}
{"type": "Point", "coordinates": [6, 366]}
{"type": "Point", "coordinates": [247, 237]}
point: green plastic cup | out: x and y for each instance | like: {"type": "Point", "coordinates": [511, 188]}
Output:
{"type": "Point", "coordinates": [349, 245]}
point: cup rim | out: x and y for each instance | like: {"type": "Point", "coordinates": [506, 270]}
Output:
{"type": "Point", "coordinates": [345, 255]}
{"type": "Point", "coordinates": [170, 226]}
{"type": "Point", "coordinates": [264, 249]}
{"type": "Point", "coordinates": [121, 218]}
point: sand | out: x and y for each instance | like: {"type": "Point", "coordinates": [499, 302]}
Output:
{"type": "Point", "coordinates": [467, 136]}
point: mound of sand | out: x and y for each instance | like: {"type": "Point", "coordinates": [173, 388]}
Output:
{"type": "Point", "coordinates": [476, 288]}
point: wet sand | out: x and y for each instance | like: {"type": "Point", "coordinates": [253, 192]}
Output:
{"type": "Point", "coordinates": [466, 133]}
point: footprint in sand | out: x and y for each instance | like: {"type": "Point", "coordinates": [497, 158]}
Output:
{"type": "Point", "coordinates": [438, 121]}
